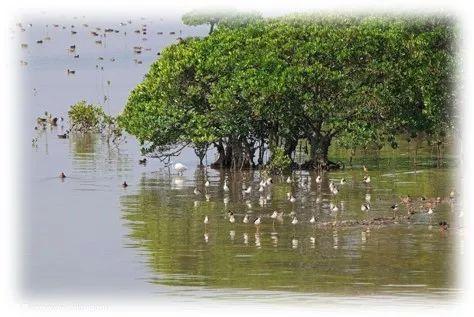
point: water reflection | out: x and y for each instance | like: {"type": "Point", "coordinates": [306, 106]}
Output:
{"type": "Point", "coordinates": [166, 219]}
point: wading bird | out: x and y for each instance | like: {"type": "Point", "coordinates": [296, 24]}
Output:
{"type": "Point", "coordinates": [180, 168]}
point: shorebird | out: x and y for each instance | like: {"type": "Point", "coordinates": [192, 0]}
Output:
{"type": "Point", "coordinates": [294, 221]}
{"type": "Point", "coordinates": [180, 168]}
{"type": "Point", "coordinates": [231, 217]}
{"type": "Point", "coordinates": [394, 207]}
{"type": "Point", "coordinates": [258, 221]}
{"type": "Point", "coordinates": [365, 207]}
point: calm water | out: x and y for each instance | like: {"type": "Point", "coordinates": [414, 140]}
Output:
{"type": "Point", "coordinates": [87, 235]}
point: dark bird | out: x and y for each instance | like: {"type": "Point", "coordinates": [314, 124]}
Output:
{"type": "Point", "coordinates": [124, 184]}
{"type": "Point", "coordinates": [443, 226]}
{"type": "Point", "coordinates": [142, 161]}
{"type": "Point", "coordinates": [62, 175]}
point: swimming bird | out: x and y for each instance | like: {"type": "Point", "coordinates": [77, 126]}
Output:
{"type": "Point", "coordinates": [142, 161]}
{"type": "Point", "coordinates": [62, 175]}
{"type": "Point", "coordinates": [124, 185]}
{"type": "Point", "coordinates": [180, 168]}
{"type": "Point", "coordinates": [69, 71]}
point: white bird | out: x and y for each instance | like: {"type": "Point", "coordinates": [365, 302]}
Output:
{"type": "Point", "coordinates": [246, 219]}
{"type": "Point", "coordinates": [196, 191]}
{"type": "Point", "coordinates": [206, 220]}
{"type": "Point", "coordinates": [368, 197]}
{"type": "Point", "coordinates": [207, 184]}
{"type": "Point", "coordinates": [333, 207]}
{"type": "Point", "coordinates": [208, 197]}
{"type": "Point", "coordinates": [288, 180]}
{"type": "Point", "coordinates": [366, 179]}
{"type": "Point", "coordinates": [274, 215]}
{"type": "Point", "coordinates": [269, 181]}
{"type": "Point", "coordinates": [312, 220]}
{"type": "Point", "coordinates": [335, 190]}
{"type": "Point", "coordinates": [430, 211]}
{"type": "Point", "coordinates": [260, 189]}
{"type": "Point", "coordinates": [318, 179]}
{"type": "Point", "coordinates": [180, 168]}
{"type": "Point", "coordinates": [294, 221]}
{"type": "Point", "coordinates": [226, 188]}
{"type": "Point", "coordinates": [365, 207]}
{"type": "Point", "coordinates": [331, 185]}
{"type": "Point", "coordinates": [248, 190]}
{"type": "Point", "coordinates": [343, 181]}
{"type": "Point", "coordinates": [258, 221]}
{"type": "Point", "coordinates": [231, 217]}
{"type": "Point", "coordinates": [292, 199]}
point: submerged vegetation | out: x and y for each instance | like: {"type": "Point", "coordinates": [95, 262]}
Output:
{"type": "Point", "coordinates": [267, 84]}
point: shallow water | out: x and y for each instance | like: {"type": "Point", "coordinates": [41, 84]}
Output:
{"type": "Point", "coordinates": [87, 235]}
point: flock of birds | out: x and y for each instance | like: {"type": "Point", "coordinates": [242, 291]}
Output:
{"type": "Point", "coordinates": [427, 204]}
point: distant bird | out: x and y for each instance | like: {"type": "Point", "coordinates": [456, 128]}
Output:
{"type": "Point", "coordinates": [231, 217]}
{"type": "Point", "coordinates": [368, 197]}
{"type": "Point", "coordinates": [206, 220]}
{"type": "Point", "coordinates": [288, 180]}
{"type": "Point", "coordinates": [207, 184]}
{"type": "Point", "coordinates": [318, 179]}
{"type": "Point", "coordinates": [430, 211]}
{"type": "Point", "coordinates": [294, 221]}
{"type": "Point", "coordinates": [365, 207]}
{"type": "Point", "coordinates": [124, 185]}
{"type": "Point", "coordinates": [365, 168]}
{"type": "Point", "coordinates": [366, 179]}
{"type": "Point", "coordinates": [269, 181]}
{"type": "Point", "coordinates": [335, 190]}
{"type": "Point", "coordinates": [333, 207]}
{"type": "Point", "coordinates": [62, 175]}
{"type": "Point", "coordinates": [261, 189]}
{"type": "Point", "coordinates": [443, 226]}
{"type": "Point", "coordinates": [248, 190]}
{"type": "Point", "coordinates": [451, 194]}
{"type": "Point", "coordinates": [292, 199]}
{"type": "Point", "coordinates": [76, 56]}
{"type": "Point", "coordinates": [274, 215]}
{"type": "Point", "coordinates": [225, 187]}
{"type": "Point", "coordinates": [70, 72]}
{"type": "Point", "coordinates": [312, 220]}
{"type": "Point", "coordinates": [258, 221]}
{"type": "Point", "coordinates": [343, 181]}
{"type": "Point", "coordinates": [246, 219]}
{"type": "Point", "coordinates": [196, 191]}
{"type": "Point", "coordinates": [63, 136]}
{"type": "Point", "coordinates": [394, 208]}
{"type": "Point", "coordinates": [180, 168]}
{"type": "Point", "coordinates": [142, 161]}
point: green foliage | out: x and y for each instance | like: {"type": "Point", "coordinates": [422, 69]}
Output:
{"type": "Point", "coordinates": [279, 162]}
{"type": "Point", "coordinates": [360, 81]}
{"type": "Point", "coordinates": [92, 118]}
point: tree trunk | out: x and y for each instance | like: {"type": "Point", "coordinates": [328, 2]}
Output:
{"type": "Point", "coordinates": [319, 154]}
